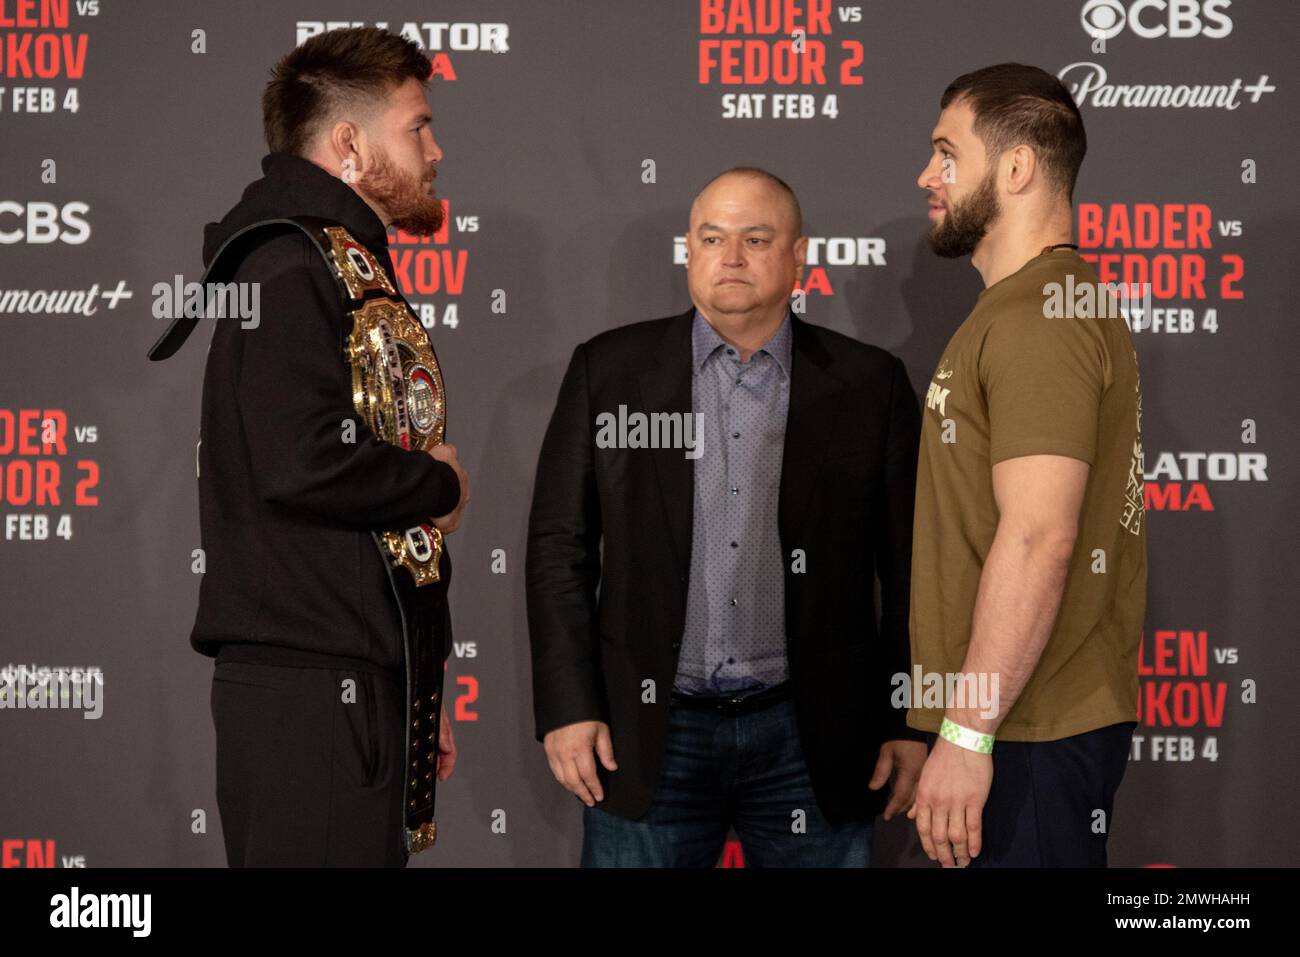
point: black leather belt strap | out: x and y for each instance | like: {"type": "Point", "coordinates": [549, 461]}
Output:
{"type": "Point", "coordinates": [425, 612]}
{"type": "Point", "coordinates": [222, 270]}
{"type": "Point", "coordinates": [740, 702]}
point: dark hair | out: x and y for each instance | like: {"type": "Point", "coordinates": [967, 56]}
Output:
{"type": "Point", "coordinates": [778, 182]}
{"type": "Point", "coordinates": [356, 68]}
{"type": "Point", "coordinates": [1016, 104]}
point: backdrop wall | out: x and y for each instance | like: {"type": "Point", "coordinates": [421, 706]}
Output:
{"type": "Point", "coordinates": [575, 136]}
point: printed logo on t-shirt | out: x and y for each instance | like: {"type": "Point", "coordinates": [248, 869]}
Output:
{"type": "Point", "coordinates": [936, 395]}
{"type": "Point", "coordinates": [1134, 499]}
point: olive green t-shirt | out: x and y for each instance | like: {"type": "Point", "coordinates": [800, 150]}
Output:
{"type": "Point", "coordinates": [1015, 382]}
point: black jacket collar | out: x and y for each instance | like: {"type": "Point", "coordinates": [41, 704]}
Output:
{"type": "Point", "coordinates": [293, 186]}
{"type": "Point", "coordinates": [320, 194]}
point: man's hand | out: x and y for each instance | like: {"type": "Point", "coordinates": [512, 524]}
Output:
{"type": "Point", "coordinates": [950, 801]}
{"type": "Point", "coordinates": [569, 752]}
{"type": "Point", "coordinates": [907, 757]}
{"type": "Point", "coordinates": [446, 748]}
{"type": "Point", "coordinates": [451, 521]}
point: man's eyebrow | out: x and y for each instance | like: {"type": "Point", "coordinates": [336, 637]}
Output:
{"type": "Point", "coordinates": [943, 141]}
{"type": "Point", "coordinates": [422, 117]}
{"type": "Point", "coordinates": [760, 228]}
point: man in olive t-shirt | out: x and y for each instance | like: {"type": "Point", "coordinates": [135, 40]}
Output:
{"type": "Point", "coordinates": [1012, 383]}
{"type": "Point", "coordinates": [1029, 544]}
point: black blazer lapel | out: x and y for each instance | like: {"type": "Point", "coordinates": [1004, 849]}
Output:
{"type": "Point", "coordinates": [666, 387]}
{"type": "Point", "coordinates": [809, 425]}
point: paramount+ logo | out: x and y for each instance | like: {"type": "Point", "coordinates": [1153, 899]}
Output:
{"type": "Point", "coordinates": [1151, 19]}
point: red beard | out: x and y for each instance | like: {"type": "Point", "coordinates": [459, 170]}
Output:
{"type": "Point", "coordinates": [410, 207]}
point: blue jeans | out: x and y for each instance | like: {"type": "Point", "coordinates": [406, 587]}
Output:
{"type": "Point", "coordinates": [719, 772]}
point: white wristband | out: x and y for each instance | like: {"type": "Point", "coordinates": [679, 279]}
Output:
{"type": "Point", "coordinates": [965, 737]}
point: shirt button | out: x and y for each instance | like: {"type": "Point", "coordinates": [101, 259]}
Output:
{"type": "Point", "coordinates": [731, 352]}
{"type": "Point", "coordinates": [734, 545]}
{"type": "Point", "coordinates": [731, 661]}
{"type": "Point", "coordinates": [735, 490]}
{"type": "Point", "coordinates": [735, 435]}
{"type": "Point", "coordinates": [734, 603]}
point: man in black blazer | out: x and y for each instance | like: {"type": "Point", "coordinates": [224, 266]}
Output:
{"type": "Point", "coordinates": [718, 493]}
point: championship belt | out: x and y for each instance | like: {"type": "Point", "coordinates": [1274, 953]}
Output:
{"type": "Point", "coordinates": [397, 391]}
{"type": "Point", "coordinates": [396, 383]}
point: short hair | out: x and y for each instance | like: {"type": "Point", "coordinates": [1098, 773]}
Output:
{"type": "Point", "coordinates": [335, 70]}
{"type": "Point", "coordinates": [1015, 104]}
{"type": "Point", "coordinates": [757, 173]}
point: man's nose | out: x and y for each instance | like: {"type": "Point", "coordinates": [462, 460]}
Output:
{"type": "Point", "coordinates": [929, 176]}
{"type": "Point", "coordinates": [433, 152]}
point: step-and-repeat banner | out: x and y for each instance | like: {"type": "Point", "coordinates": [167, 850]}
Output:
{"type": "Point", "coordinates": [575, 136]}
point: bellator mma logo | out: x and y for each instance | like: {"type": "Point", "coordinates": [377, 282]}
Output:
{"type": "Point", "coordinates": [823, 251]}
{"type": "Point", "coordinates": [433, 38]}
{"type": "Point", "coordinates": [1177, 480]}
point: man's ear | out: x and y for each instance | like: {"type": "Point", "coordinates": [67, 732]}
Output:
{"type": "Point", "coordinates": [348, 143]}
{"type": "Point", "coordinates": [1021, 164]}
{"type": "Point", "coordinates": [800, 256]}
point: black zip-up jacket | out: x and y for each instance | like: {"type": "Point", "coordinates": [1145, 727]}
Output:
{"type": "Point", "coordinates": [287, 505]}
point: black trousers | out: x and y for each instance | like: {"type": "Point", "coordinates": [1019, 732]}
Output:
{"type": "Point", "coordinates": [1052, 802]}
{"type": "Point", "coordinates": [309, 765]}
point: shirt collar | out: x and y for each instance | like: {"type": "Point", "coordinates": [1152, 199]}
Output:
{"type": "Point", "coordinates": [705, 341]}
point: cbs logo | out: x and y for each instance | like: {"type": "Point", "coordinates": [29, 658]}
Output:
{"type": "Point", "coordinates": [1104, 19]}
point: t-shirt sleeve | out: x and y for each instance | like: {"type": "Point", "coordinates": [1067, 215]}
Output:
{"type": "Point", "coordinates": [1043, 381]}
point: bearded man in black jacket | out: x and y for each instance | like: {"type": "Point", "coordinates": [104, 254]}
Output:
{"type": "Point", "coordinates": [325, 649]}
